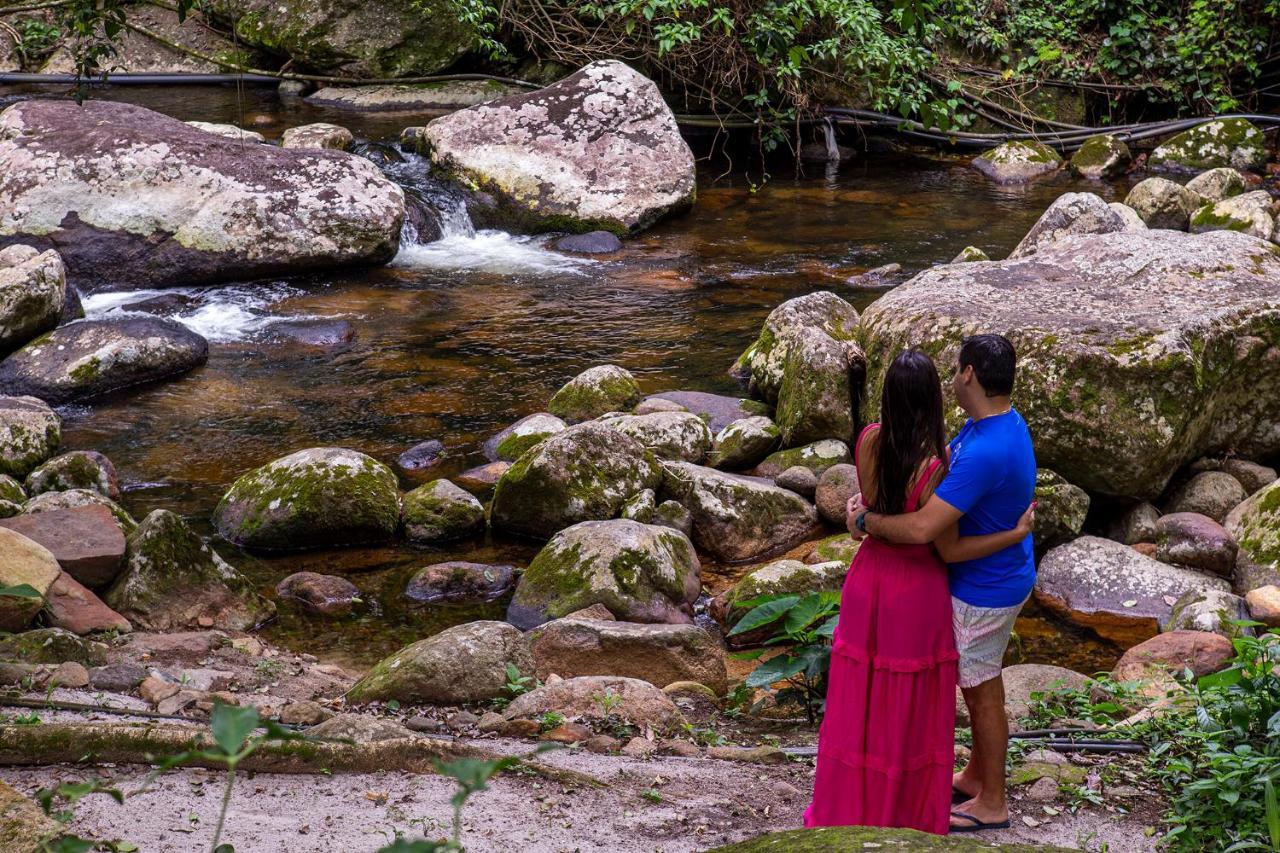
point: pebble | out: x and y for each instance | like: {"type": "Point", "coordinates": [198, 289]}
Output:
{"type": "Point", "coordinates": [1043, 790]}
{"type": "Point", "coordinates": [491, 722]}
{"type": "Point", "coordinates": [567, 733]}
{"type": "Point", "coordinates": [70, 674]}
{"type": "Point", "coordinates": [155, 689]}
{"type": "Point", "coordinates": [462, 720]}
{"type": "Point", "coordinates": [639, 747]}
{"type": "Point", "coordinates": [304, 713]}
{"type": "Point", "coordinates": [682, 748]}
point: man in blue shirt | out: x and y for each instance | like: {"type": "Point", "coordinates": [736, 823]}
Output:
{"type": "Point", "coordinates": [990, 481]}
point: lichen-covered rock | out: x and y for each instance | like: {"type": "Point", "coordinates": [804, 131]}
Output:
{"type": "Point", "coordinates": [439, 511]}
{"type": "Point", "coordinates": [641, 572]}
{"type": "Point", "coordinates": [595, 392]}
{"type": "Point", "coordinates": [1233, 142]}
{"type": "Point", "coordinates": [79, 469]}
{"type": "Point", "coordinates": [318, 135]}
{"type": "Point", "coordinates": [969, 255]}
{"type": "Point", "coordinates": [1196, 541]}
{"type": "Point", "coordinates": [1249, 213]}
{"type": "Point", "coordinates": [806, 362]}
{"type": "Point", "coordinates": [1101, 157]}
{"type": "Point", "coordinates": [460, 582]}
{"type": "Point", "coordinates": [131, 198]}
{"type": "Point", "coordinates": [314, 498]}
{"type": "Point", "coordinates": [717, 410]}
{"type": "Point", "coordinates": [817, 457]}
{"type": "Point", "coordinates": [1255, 526]}
{"type": "Point", "coordinates": [674, 515]}
{"type": "Point", "coordinates": [1211, 493]}
{"type": "Point", "coordinates": [676, 436]}
{"type": "Point", "coordinates": [413, 98]}
{"type": "Point", "coordinates": [641, 506]}
{"type": "Point", "coordinates": [781, 577]}
{"type": "Point", "coordinates": [465, 663]}
{"type": "Point", "coordinates": [738, 518]}
{"type": "Point", "coordinates": [319, 595]}
{"type": "Point", "coordinates": [586, 472]}
{"type": "Point", "coordinates": [841, 548]}
{"type": "Point", "coordinates": [1163, 204]}
{"type": "Point", "coordinates": [1113, 590]}
{"type": "Point", "coordinates": [599, 697]}
{"type": "Point", "coordinates": [658, 654]}
{"type": "Point", "coordinates": [1217, 184]}
{"type": "Point", "coordinates": [30, 432]}
{"type": "Point", "coordinates": [826, 839]}
{"type": "Point", "coordinates": [744, 443]}
{"type": "Point", "coordinates": [230, 131]}
{"type": "Point", "coordinates": [173, 580]}
{"type": "Point", "coordinates": [1061, 508]}
{"type": "Point", "coordinates": [1132, 221]}
{"type": "Point", "coordinates": [1018, 161]}
{"type": "Point", "coordinates": [50, 501]}
{"type": "Point", "coordinates": [392, 38]}
{"type": "Point", "coordinates": [598, 150]}
{"type": "Point", "coordinates": [1179, 364]}
{"type": "Point", "coordinates": [11, 490]}
{"type": "Point", "coordinates": [90, 358]}
{"type": "Point", "coordinates": [1070, 213]}
{"type": "Point", "coordinates": [52, 645]}
{"type": "Point", "coordinates": [1211, 610]}
{"type": "Point", "coordinates": [511, 443]}
{"type": "Point", "coordinates": [23, 561]}
{"type": "Point", "coordinates": [33, 289]}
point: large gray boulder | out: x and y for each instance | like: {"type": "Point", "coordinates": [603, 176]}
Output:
{"type": "Point", "coordinates": [1139, 352]}
{"type": "Point", "coordinates": [737, 518]}
{"type": "Point", "coordinates": [1161, 203]}
{"type": "Point", "coordinates": [585, 472]}
{"type": "Point", "coordinates": [640, 572]}
{"type": "Point", "coordinates": [132, 198]}
{"type": "Point", "coordinates": [598, 150]}
{"type": "Point", "coordinates": [90, 358]}
{"type": "Point", "coordinates": [33, 288]}
{"type": "Point", "coordinates": [30, 432]}
{"type": "Point", "coordinates": [1234, 142]}
{"type": "Point", "coordinates": [1249, 213]}
{"type": "Point", "coordinates": [1070, 213]}
{"type": "Point", "coordinates": [677, 436]}
{"type": "Point", "coordinates": [314, 498]}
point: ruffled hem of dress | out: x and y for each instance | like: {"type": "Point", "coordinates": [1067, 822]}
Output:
{"type": "Point", "coordinates": [854, 761]}
{"type": "Point", "coordinates": [892, 664]}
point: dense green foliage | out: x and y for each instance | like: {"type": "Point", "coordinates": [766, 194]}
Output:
{"type": "Point", "coordinates": [804, 625]}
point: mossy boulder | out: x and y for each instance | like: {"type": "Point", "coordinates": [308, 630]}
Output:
{"type": "Point", "coordinates": [640, 572]}
{"type": "Point", "coordinates": [32, 292]}
{"type": "Point", "coordinates": [1212, 610]}
{"type": "Point", "coordinates": [781, 577]}
{"type": "Point", "coordinates": [1234, 142]}
{"type": "Point", "coordinates": [1163, 204]}
{"type": "Point", "coordinates": [1180, 364]}
{"type": "Point", "coordinates": [744, 443]}
{"type": "Point", "coordinates": [586, 472]}
{"type": "Point", "coordinates": [737, 518]}
{"type": "Point", "coordinates": [594, 392]}
{"type": "Point", "coordinates": [173, 581]}
{"type": "Point", "coordinates": [439, 511]}
{"type": "Point", "coordinates": [817, 457]}
{"type": "Point", "coordinates": [465, 663]}
{"type": "Point", "coordinates": [459, 582]}
{"type": "Point", "coordinates": [828, 839]}
{"type": "Point", "coordinates": [24, 562]}
{"type": "Point", "coordinates": [511, 443]}
{"type": "Point", "coordinates": [806, 363]}
{"type": "Point", "coordinates": [11, 490]}
{"type": "Point", "coordinates": [1018, 161]}
{"type": "Point", "coordinates": [1070, 213]}
{"type": "Point", "coordinates": [317, 135]}
{"type": "Point", "coordinates": [970, 255]}
{"type": "Point", "coordinates": [79, 469]}
{"type": "Point", "coordinates": [1217, 184]}
{"type": "Point", "coordinates": [314, 498]}
{"type": "Point", "coordinates": [1255, 526]}
{"type": "Point", "coordinates": [49, 501]}
{"type": "Point", "coordinates": [52, 645]}
{"type": "Point", "coordinates": [676, 436]}
{"type": "Point", "coordinates": [1101, 157]}
{"type": "Point", "coordinates": [1249, 213]}
{"type": "Point", "coordinates": [1061, 508]}
{"type": "Point", "coordinates": [841, 548]}
{"type": "Point", "coordinates": [30, 432]}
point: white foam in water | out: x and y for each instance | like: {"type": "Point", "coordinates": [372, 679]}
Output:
{"type": "Point", "coordinates": [495, 252]}
{"type": "Point", "coordinates": [219, 314]}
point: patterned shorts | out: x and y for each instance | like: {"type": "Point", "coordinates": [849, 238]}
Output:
{"type": "Point", "coordinates": [982, 635]}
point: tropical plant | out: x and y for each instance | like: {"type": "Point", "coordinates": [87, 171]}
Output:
{"type": "Point", "coordinates": [804, 625]}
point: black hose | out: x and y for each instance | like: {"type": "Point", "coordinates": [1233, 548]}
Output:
{"type": "Point", "coordinates": [124, 78]}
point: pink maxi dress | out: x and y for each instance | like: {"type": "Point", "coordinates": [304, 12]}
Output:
{"type": "Point", "coordinates": [886, 747]}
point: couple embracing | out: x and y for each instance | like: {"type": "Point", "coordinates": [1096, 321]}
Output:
{"type": "Point", "coordinates": [929, 602]}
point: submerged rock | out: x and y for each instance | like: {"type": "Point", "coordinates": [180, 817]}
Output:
{"type": "Point", "coordinates": [90, 358]}
{"type": "Point", "coordinates": [1070, 213]}
{"type": "Point", "coordinates": [33, 290]}
{"type": "Point", "coordinates": [511, 443]}
{"type": "Point", "coordinates": [641, 572]}
{"type": "Point", "coordinates": [421, 457]}
{"type": "Point", "coordinates": [658, 654]}
{"type": "Point", "coordinates": [595, 392]}
{"type": "Point", "coordinates": [23, 561]}
{"type": "Point", "coordinates": [322, 595]}
{"type": "Point", "coordinates": [591, 243]}
{"type": "Point", "coordinates": [79, 469]}
{"type": "Point", "coordinates": [440, 511]}
{"type": "Point", "coordinates": [460, 582]}
{"type": "Point", "coordinates": [598, 150]}
{"type": "Point", "coordinates": [174, 580]}
{"type": "Point", "coordinates": [1163, 204]}
{"type": "Point", "coordinates": [1104, 157]}
{"type": "Point", "coordinates": [738, 518]}
{"type": "Point", "coordinates": [318, 135]}
{"type": "Point", "coordinates": [586, 472]}
{"type": "Point", "coordinates": [30, 432]}
{"type": "Point", "coordinates": [1233, 142]}
{"type": "Point", "coordinates": [132, 198]}
{"type": "Point", "coordinates": [465, 663]}
{"type": "Point", "coordinates": [1018, 161]}
{"type": "Point", "coordinates": [314, 498]}
{"type": "Point", "coordinates": [1177, 366]}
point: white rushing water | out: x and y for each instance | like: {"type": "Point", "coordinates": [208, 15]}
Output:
{"type": "Point", "coordinates": [230, 313]}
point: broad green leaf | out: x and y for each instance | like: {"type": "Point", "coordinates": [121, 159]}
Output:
{"type": "Point", "coordinates": [766, 613]}
{"type": "Point", "coordinates": [775, 669]}
{"type": "Point", "coordinates": [22, 590]}
{"type": "Point", "coordinates": [808, 610]}
{"type": "Point", "coordinates": [232, 726]}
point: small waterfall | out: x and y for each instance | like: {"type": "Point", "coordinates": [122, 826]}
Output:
{"type": "Point", "coordinates": [436, 209]}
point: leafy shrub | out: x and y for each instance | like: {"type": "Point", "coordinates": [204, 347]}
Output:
{"type": "Point", "coordinates": [805, 625]}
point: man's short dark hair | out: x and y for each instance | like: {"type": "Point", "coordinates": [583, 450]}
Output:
{"type": "Point", "coordinates": [993, 360]}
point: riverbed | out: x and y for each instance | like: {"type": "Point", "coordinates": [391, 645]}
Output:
{"type": "Point", "coordinates": [458, 338]}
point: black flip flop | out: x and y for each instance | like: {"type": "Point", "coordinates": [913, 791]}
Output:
{"type": "Point", "coordinates": [978, 826]}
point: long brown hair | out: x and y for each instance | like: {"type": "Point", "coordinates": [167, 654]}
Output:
{"type": "Point", "coordinates": [911, 428]}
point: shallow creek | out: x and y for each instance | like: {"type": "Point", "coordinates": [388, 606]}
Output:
{"type": "Point", "coordinates": [458, 338]}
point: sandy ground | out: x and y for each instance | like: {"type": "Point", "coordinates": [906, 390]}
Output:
{"type": "Point", "coordinates": [704, 803]}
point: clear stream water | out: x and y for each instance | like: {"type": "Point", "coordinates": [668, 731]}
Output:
{"type": "Point", "coordinates": [456, 339]}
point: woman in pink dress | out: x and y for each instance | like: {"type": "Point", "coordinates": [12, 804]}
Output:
{"type": "Point", "coordinates": [886, 748]}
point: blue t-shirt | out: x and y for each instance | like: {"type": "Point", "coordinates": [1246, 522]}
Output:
{"type": "Point", "coordinates": [992, 479]}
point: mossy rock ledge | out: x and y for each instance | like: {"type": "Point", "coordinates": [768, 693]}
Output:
{"type": "Point", "coordinates": [1139, 352]}
{"type": "Point", "coordinates": [598, 150]}
{"type": "Point", "coordinates": [1233, 142]}
{"type": "Point", "coordinates": [314, 498]}
{"type": "Point", "coordinates": [640, 572]}
{"type": "Point", "coordinates": [837, 839]}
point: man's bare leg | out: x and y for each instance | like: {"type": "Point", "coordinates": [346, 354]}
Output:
{"type": "Point", "coordinates": [983, 778]}
{"type": "Point", "coordinates": [966, 780]}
